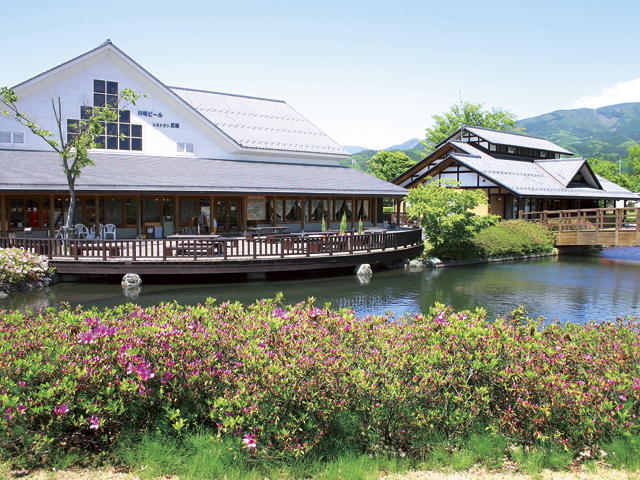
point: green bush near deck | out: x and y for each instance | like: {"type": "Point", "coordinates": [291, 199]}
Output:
{"type": "Point", "coordinates": [514, 238]}
{"type": "Point", "coordinates": [286, 383]}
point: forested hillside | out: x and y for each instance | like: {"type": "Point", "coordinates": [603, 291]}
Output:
{"type": "Point", "coordinates": [604, 132]}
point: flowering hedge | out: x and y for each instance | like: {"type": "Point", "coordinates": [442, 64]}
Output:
{"type": "Point", "coordinates": [273, 381]}
{"type": "Point", "coordinates": [19, 266]}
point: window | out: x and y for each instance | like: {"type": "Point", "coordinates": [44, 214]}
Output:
{"type": "Point", "coordinates": [119, 135]}
{"type": "Point", "coordinates": [8, 136]}
{"type": "Point", "coordinates": [186, 147]}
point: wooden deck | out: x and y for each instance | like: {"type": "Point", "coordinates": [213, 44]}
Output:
{"type": "Point", "coordinates": [224, 254]}
{"type": "Point", "coordinates": [593, 226]}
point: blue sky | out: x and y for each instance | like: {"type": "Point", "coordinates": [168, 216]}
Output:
{"type": "Point", "coordinates": [368, 73]}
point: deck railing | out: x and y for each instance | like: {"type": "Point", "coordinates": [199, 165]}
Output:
{"type": "Point", "coordinates": [276, 246]}
{"type": "Point", "coordinates": [591, 226]}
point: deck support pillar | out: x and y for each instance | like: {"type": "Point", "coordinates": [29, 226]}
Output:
{"type": "Point", "coordinates": [4, 223]}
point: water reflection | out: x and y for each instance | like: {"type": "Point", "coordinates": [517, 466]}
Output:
{"type": "Point", "coordinates": [576, 288]}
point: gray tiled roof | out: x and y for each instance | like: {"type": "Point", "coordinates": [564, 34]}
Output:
{"type": "Point", "coordinates": [28, 171]}
{"type": "Point", "coordinates": [530, 179]}
{"type": "Point", "coordinates": [516, 140]}
{"type": "Point", "coordinates": [563, 170]}
{"type": "Point", "coordinates": [260, 123]}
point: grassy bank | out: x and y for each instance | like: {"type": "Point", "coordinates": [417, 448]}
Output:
{"type": "Point", "coordinates": [253, 390]}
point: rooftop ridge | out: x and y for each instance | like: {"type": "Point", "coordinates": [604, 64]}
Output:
{"type": "Point", "coordinates": [226, 94]}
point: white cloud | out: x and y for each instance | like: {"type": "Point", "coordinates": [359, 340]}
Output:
{"type": "Point", "coordinates": [622, 92]}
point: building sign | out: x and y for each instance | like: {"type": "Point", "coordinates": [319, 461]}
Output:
{"type": "Point", "coordinates": [256, 208]}
{"type": "Point", "coordinates": [151, 113]}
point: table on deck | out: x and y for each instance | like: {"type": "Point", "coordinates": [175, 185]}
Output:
{"type": "Point", "coordinates": [194, 245]}
{"type": "Point", "coordinates": [265, 230]}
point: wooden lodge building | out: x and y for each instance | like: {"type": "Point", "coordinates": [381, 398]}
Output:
{"type": "Point", "coordinates": [517, 172]}
{"type": "Point", "coordinates": [178, 159]}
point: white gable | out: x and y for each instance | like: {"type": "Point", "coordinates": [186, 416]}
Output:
{"type": "Point", "coordinates": [169, 125]}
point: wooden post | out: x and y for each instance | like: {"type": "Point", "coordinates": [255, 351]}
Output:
{"type": "Point", "coordinates": [274, 214]}
{"type": "Point", "coordinates": [52, 227]}
{"type": "Point", "coordinates": [398, 212]}
{"type": "Point", "coordinates": [4, 223]}
{"type": "Point", "coordinates": [354, 212]}
{"type": "Point", "coordinates": [305, 210]}
{"type": "Point", "coordinates": [97, 201]}
{"type": "Point", "coordinates": [374, 211]}
{"type": "Point", "coordinates": [176, 223]}
{"type": "Point", "coordinates": [244, 211]}
{"type": "Point", "coordinates": [212, 217]}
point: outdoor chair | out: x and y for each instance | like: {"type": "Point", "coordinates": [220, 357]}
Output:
{"type": "Point", "coordinates": [109, 231]}
{"type": "Point", "coordinates": [81, 231]}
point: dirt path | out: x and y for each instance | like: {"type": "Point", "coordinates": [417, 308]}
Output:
{"type": "Point", "coordinates": [601, 474]}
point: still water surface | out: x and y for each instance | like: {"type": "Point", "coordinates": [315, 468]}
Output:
{"type": "Point", "coordinates": [572, 288]}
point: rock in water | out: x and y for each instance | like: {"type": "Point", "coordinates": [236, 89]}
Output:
{"type": "Point", "coordinates": [131, 279]}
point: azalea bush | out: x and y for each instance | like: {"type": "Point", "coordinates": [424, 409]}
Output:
{"type": "Point", "coordinates": [274, 381]}
{"type": "Point", "coordinates": [18, 266]}
{"type": "Point", "coordinates": [514, 237]}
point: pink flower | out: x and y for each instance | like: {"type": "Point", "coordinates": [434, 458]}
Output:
{"type": "Point", "coordinates": [145, 372]}
{"type": "Point", "coordinates": [61, 410]}
{"type": "Point", "coordinates": [249, 442]}
{"type": "Point", "coordinates": [95, 423]}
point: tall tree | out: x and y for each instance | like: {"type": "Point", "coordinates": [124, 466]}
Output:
{"type": "Point", "coordinates": [471, 114]}
{"type": "Point", "coordinates": [388, 165]}
{"type": "Point", "coordinates": [83, 136]}
{"type": "Point", "coordinates": [634, 158]}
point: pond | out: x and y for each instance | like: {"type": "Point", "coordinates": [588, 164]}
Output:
{"type": "Point", "coordinates": [597, 287]}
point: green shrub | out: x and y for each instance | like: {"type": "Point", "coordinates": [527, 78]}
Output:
{"type": "Point", "coordinates": [514, 238]}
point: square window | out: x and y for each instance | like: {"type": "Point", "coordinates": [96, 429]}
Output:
{"type": "Point", "coordinates": [125, 144]}
{"type": "Point", "coordinates": [136, 130]}
{"type": "Point", "coordinates": [125, 116]}
{"type": "Point", "coordinates": [112, 143]}
{"type": "Point", "coordinates": [86, 113]}
{"type": "Point", "coordinates": [72, 126]}
{"type": "Point", "coordinates": [112, 129]}
{"type": "Point", "coordinates": [99, 100]}
{"type": "Point", "coordinates": [112, 101]}
{"type": "Point", "coordinates": [99, 141]}
{"type": "Point", "coordinates": [71, 137]}
{"type": "Point", "coordinates": [136, 144]}
{"type": "Point", "coordinates": [99, 86]}
{"type": "Point", "coordinates": [112, 87]}
{"type": "Point", "coordinates": [125, 129]}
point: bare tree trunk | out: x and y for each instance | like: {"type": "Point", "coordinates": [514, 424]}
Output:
{"type": "Point", "coordinates": [72, 206]}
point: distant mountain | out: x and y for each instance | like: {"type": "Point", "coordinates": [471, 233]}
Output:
{"type": "Point", "coordinates": [353, 149]}
{"type": "Point", "coordinates": [589, 132]}
{"type": "Point", "coordinates": [408, 145]}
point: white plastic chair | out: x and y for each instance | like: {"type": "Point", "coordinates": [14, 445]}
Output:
{"type": "Point", "coordinates": [81, 231]}
{"type": "Point", "coordinates": [109, 230]}
{"type": "Point", "coordinates": [92, 233]}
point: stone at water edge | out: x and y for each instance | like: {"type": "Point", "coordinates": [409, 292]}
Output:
{"type": "Point", "coordinates": [256, 276]}
{"type": "Point", "coordinates": [131, 279]}
{"type": "Point", "coordinates": [415, 264]}
{"type": "Point", "coordinates": [433, 261]}
{"type": "Point", "coordinates": [364, 270]}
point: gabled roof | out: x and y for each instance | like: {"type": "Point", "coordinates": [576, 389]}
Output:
{"type": "Point", "coordinates": [260, 123]}
{"type": "Point", "coordinates": [234, 122]}
{"type": "Point", "coordinates": [498, 137]}
{"type": "Point", "coordinates": [516, 140]}
{"type": "Point", "coordinates": [527, 179]}
{"type": "Point", "coordinates": [565, 170]}
{"type": "Point", "coordinates": [29, 171]}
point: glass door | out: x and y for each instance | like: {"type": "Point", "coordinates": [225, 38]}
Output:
{"type": "Point", "coordinates": [228, 215]}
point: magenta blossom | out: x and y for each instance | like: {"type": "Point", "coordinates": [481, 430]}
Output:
{"type": "Point", "coordinates": [95, 423]}
{"type": "Point", "coordinates": [249, 442]}
{"type": "Point", "coordinates": [145, 372]}
{"type": "Point", "coordinates": [61, 410]}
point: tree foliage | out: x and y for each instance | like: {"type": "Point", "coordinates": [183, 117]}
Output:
{"type": "Point", "coordinates": [73, 150]}
{"type": "Point", "coordinates": [471, 114]}
{"type": "Point", "coordinates": [611, 170]}
{"type": "Point", "coordinates": [445, 213]}
{"type": "Point", "coordinates": [388, 165]}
